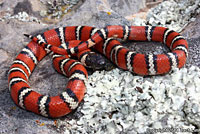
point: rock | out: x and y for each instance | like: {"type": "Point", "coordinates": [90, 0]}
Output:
{"type": "Point", "coordinates": [173, 14]}
{"type": "Point", "coordinates": [3, 56]}
{"type": "Point", "coordinates": [126, 7]}
{"type": "Point", "coordinates": [116, 101]}
{"type": "Point", "coordinates": [192, 34]}
{"type": "Point", "coordinates": [24, 6]}
{"type": "Point", "coordinates": [95, 13]}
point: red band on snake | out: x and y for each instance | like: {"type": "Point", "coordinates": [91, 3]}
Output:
{"type": "Point", "coordinates": [102, 40]}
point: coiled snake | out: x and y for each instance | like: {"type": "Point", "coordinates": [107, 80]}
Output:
{"type": "Point", "coordinates": [76, 40]}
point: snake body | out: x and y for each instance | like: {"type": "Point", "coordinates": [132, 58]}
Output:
{"type": "Point", "coordinates": [75, 40]}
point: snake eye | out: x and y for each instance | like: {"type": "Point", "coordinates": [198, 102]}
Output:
{"type": "Point", "coordinates": [101, 62]}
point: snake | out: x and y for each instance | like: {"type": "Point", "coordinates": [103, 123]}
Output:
{"type": "Point", "coordinates": [75, 41]}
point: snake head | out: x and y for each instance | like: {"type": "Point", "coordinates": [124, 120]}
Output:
{"type": "Point", "coordinates": [98, 62]}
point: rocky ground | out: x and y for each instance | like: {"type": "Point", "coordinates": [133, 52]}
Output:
{"type": "Point", "coordinates": [104, 109]}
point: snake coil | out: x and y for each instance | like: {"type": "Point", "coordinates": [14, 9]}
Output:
{"type": "Point", "coordinates": [63, 42]}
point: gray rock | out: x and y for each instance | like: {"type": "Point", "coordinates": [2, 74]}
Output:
{"type": "Point", "coordinates": [173, 14]}
{"type": "Point", "coordinates": [3, 56]}
{"type": "Point", "coordinates": [126, 7]}
{"type": "Point", "coordinates": [192, 34]}
{"type": "Point", "coordinates": [94, 13]}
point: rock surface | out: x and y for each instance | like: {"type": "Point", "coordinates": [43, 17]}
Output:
{"type": "Point", "coordinates": [126, 7]}
{"type": "Point", "coordinates": [192, 34]}
{"type": "Point", "coordinates": [23, 16]}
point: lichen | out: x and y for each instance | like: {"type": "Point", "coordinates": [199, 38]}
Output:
{"type": "Point", "coordinates": [56, 9]}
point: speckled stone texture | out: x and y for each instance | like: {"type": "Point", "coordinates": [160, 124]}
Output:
{"type": "Point", "coordinates": [192, 34]}
{"type": "Point", "coordinates": [46, 80]}
{"type": "Point", "coordinates": [125, 7]}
